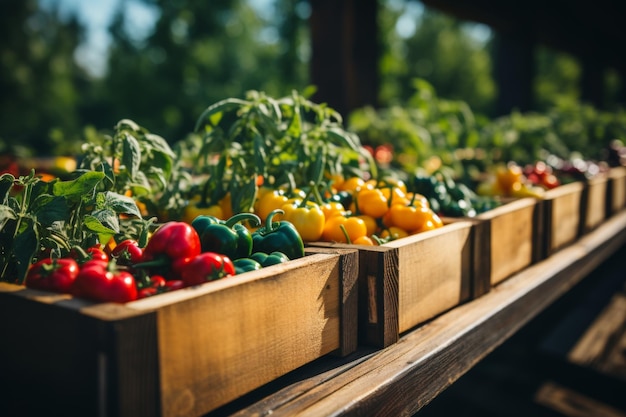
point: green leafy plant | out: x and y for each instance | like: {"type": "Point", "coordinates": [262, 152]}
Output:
{"type": "Point", "coordinates": [134, 161]}
{"type": "Point", "coordinates": [289, 140]}
{"type": "Point", "coordinates": [40, 218]}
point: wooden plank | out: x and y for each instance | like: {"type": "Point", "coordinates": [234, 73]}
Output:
{"type": "Point", "coordinates": [434, 274]}
{"type": "Point", "coordinates": [615, 363]}
{"type": "Point", "coordinates": [512, 240]}
{"type": "Point", "coordinates": [562, 216]}
{"type": "Point", "coordinates": [616, 190]}
{"type": "Point", "coordinates": [594, 203]}
{"type": "Point", "coordinates": [570, 403]}
{"type": "Point", "coordinates": [405, 282]}
{"type": "Point", "coordinates": [221, 341]}
{"type": "Point", "coordinates": [592, 348]}
{"type": "Point", "coordinates": [404, 377]}
{"type": "Point", "coordinates": [181, 353]}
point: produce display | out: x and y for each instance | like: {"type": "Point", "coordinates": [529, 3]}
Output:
{"type": "Point", "coordinates": [257, 180]}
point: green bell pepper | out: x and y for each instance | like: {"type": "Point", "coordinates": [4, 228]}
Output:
{"type": "Point", "coordinates": [273, 258]}
{"type": "Point", "coordinates": [229, 237]}
{"type": "Point", "coordinates": [279, 236]}
{"type": "Point", "coordinates": [246, 264]}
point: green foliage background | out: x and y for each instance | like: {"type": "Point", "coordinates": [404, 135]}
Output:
{"type": "Point", "coordinates": [201, 52]}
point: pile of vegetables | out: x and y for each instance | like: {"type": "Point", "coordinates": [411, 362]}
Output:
{"type": "Point", "coordinates": [259, 178]}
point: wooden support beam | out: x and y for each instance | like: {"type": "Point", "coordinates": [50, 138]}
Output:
{"type": "Point", "coordinates": [345, 52]}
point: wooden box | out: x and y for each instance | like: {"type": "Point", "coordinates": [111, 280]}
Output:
{"type": "Point", "coordinates": [593, 204]}
{"type": "Point", "coordinates": [616, 190]}
{"type": "Point", "coordinates": [408, 281]}
{"type": "Point", "coordinates": [507, 239]}
{"type": "Point", "coordinates": [182, 353]}
{"type": "Point", "coordinates": [562, 216]}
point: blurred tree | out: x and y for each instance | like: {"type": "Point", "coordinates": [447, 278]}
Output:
{"type": "Point", "coordinates": [201, 52]}
{"type": "Point", "coordinates": [557, 78]}
{"type": "Point", "coordinates": [39, 79]}
{"type": "Point", "coordinates": [441, 51]}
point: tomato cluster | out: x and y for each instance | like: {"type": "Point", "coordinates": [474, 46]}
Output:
{"type": "Point", "coordinates": [541, 174]}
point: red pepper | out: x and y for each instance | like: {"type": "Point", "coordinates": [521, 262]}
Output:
{"type": "Point", "coordinates": [207, 266]}
{"type": "Point", "coordinates": [102, 281]}
{"type": "Point", "coordinates": [91, 253]}
{"type": "Point", "coordinates": [171, 243]}
{"type": "Point", "coordinates": [56, 275]}
{"type": "Point", "coordinates": [160, 286]}
{"type": "Point", "coordinates": [127, 252]}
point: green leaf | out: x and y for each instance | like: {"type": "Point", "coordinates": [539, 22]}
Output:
{"type": "Point", "coordinates": [243, 197]}
{"type": "Point", "coordinates": [75, 190]}
{"type": "Point", "coordinates": [131, 155]}
{"type": "Point", "coordinates": [50, 209]}
{"type": "Point", "coordinates": [219, 107]}
{"type": "Point", "coordinates": [159, 145]}
{"type": "Point", "coordinates": [6, 183]}
{"type": "Point", "coordinates": [95, 224]}
{"type": "Point", "coordinates": [127, 123]}
{"type": "Point", "coordinates": [25, 246]}
{"type": "Point", "coordinates": [120, 204]}
{"type": "Point", "coordinates": [6, 214]}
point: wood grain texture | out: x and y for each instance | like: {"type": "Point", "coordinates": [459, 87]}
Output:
{"type": "Point", "coordinates": [562, 216]}
{"type": "Point", "coordinates": [405, 282]}
{"type": "Point", "coordinates": [434, 274]}
{"type": "Point", "coordinates": [594, 202]}
{"type": "Point", "coordinates": [216, 346]}
{"type": "Point", "coordinates": [402, 378]}
{"type": "Point", "coordinates": [508, 241]}
{"type": "Point", "coordinates": [179, 353]}
{"type": "Point", "coordinates": [616, 190]}
{"type": "Point", "coordinates": [591, 348]}
{"type": "Point", "coordinates": [570, 403]}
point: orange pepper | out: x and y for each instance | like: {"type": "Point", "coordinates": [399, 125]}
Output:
{"type": "Point", "coordinates": [410, 217]}
{"type": "Point", "coordinates": [354, 227]}
{"type": "Point", "coordinates": [370, 223]}
{"type": "Point", "coordinates": [331, 209]}
{"type": "Point", "coordinates": [372, 202]}
{"type": "Point", "coordinates": [507, 176]}
{"type": "Point", "coordinates": [394, 233]}
{"type": "Point", "coordinates": [351, 184]}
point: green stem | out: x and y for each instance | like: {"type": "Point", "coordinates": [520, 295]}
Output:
{"type": "Point", "coordinates": [252, 218]}
{"type": "Point", "coordinates": [345, 233]}
{"type": "Point", "coordinates": [269, 224]}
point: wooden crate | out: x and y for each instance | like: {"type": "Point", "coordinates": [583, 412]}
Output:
{"type": "Point", "coordinates": [562, 209]}
{"type": "Point", "coordinates": [183, 353]}
{"type": "Point", "coordinates": [408, 281]}
{"type": "Point", "coordinates": [616, 190]}
{"type": "Point", "coordinates": [593, 204]}
{"type": "Point", "coordinates": [507, 239]}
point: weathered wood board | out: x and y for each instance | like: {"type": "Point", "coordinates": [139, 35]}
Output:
{"type": "Point", "coordinates": [562, 216]}
{"type": "Point", "coordinates": [405, 282]}
{"type": "Point", "coordinates": [182, 353]}
{"type": "Point", "coordinates": [507, 239]}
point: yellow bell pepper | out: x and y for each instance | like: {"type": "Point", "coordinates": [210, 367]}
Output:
{"type": "Point", "coordinates": [308, 219]}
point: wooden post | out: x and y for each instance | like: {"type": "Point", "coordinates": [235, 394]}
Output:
{"type": "Point", "coordinates": [514, 70]}
{"type": "Point", "coordinates": [345, 51]}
